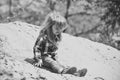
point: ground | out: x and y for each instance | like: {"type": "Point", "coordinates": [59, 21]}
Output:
{"type": "Point", "coordinates": [16, 45]}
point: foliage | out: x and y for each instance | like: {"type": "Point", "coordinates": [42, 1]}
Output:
{"type": "Point", "coordinates": [31, 11]}
{"type": "Point", "coordinates": [111, 19]}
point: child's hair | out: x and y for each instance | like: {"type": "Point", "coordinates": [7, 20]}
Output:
{"type": "Point", "coordinates": [54, 18]}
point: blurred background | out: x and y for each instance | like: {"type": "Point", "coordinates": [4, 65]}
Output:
{"type": "Point", "coordinates": [97, 20]}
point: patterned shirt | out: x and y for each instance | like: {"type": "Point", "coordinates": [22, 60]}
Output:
{"type": "Point", "coordinates": [45, 47]}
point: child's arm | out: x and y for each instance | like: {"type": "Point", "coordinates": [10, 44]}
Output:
{"type": "Point", "coordinates": [37, 51]}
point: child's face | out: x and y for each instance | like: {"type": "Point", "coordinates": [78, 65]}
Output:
{"type": "Point", "coordinates": [58, 28]}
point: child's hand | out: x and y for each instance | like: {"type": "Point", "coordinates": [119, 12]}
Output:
{"type": "Point", "coordinates": [39, 63]}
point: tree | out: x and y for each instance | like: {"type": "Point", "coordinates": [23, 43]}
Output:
{"type": "Point", "coordinates": [10, 8]}
{"type": "Point", "coordinates": [111, 19]}
{"type": "Point", "coordinates": [112, 15]}
{"type": "Point", "coordinates": [51, 4]}
{"type": "Point", "coordinates": [67, 8]}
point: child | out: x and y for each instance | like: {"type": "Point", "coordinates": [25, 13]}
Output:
{"type": "Point", "coordinates": [47, 43]}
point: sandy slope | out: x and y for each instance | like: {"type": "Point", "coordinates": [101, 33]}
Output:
{"type": "Point", "coordinates": [99, 59]}
{"type": "Point", "coordinates": [18, 39]}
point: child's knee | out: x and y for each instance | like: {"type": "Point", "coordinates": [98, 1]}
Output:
{"type": "Point", "coordinates": [57, 67]}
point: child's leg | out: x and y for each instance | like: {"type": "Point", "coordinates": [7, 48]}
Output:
{"type": "Point", "coordinates": [57, 67]}
{"type": "Point", "coordinates": [52, 64]}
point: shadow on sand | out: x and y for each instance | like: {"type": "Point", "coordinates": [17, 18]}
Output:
{"type": "Point", "coordinates": [32, 61]}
